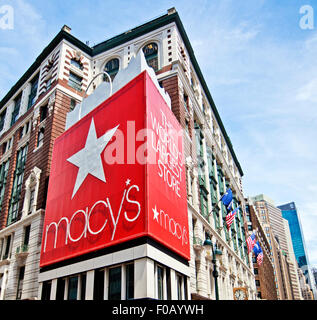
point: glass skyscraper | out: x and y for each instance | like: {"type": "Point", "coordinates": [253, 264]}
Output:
{"type": "Point", "coordinates": [289, 212]}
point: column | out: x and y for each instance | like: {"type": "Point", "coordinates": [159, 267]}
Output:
{"type": "Point", "coordinates": [144, 278]}
{"type": "Point", "coordinates": [90, 285]}
{"type": "Point", "coordinates": [53, 289]}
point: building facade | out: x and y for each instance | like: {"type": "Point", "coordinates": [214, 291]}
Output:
{"type": "Point", "coordinates": [265, 273]}
{"type": "Point", "coordinates": [287, 281]}
{"type": "Point", "coordinates": [34, 113]}
{"type": "Point", "coordinates": [289, 212]}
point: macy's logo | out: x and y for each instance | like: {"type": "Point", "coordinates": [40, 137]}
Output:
{"type": "Point", "coordinates": [87, 213]}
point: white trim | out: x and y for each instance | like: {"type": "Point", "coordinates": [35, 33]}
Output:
{"type": "Point", "coordinates": [118, 257]}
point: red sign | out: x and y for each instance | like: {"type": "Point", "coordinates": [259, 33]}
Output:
{"type": "Point", "coordinates": [116, 175]}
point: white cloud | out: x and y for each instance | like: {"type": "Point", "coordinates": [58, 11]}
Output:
{"type": "Point", "coordinates": [308, 92]}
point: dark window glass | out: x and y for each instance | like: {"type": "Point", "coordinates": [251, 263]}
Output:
{"type": "Point", "coordinates": [6, 253]}
{"type": "Point", "coordinates": [130, 281]}
{"type": "Point", "coordinates": [151, 55]}
{"type": "Point", "coordinates": [31, 201]}
{"type": "Point", "coordinates": [60, 290]}
{"type": "Point", "coordinates": [32, 96]}
{"type": "Point", "coordinates": [46, 290]}
{"type": "Point", "coordinates": [72, 104]}
{"type": "Point", "coordinates": [40, 137]}
{"type": "Point", "coordinates": [27, 230]}
{"type": "Point", "coordinates": [114, 292]}
{"type": "Point", "coordinates": [160, 272]}
{"type": "Point", "coordinates": [75, 81]}
{"type": "Point", "coordinates": [3, 180]}
{"type": "Point", "coordinates": [185, 288]}
{"type": "Point", "coordinates": [72, 288]}
{"type": "Point", "coordinates": [43, 113]}
{"type": "Point", "coordinates": [99, 281]}
{"type": "Point", "coordinates": [16, 110]}
{"type": "Point", "coordinates": [48, 83]}
{"type": "Point", "coordinates": [17, 185]}
{"type": "Point", "coordinates": [2, 118]}
{"type": "Point", "coordinates": [77, 64]}
{"type": "Point", "coordinates": [168, 283]}
{"type": "Point", "coordinates": [179, 287]}
{"type": "Point", "coordinates": [112, 68]}
{"type": "Point", "coordinates": [83, 287]}
{"type": "Point", "coordinates": [20, 283]}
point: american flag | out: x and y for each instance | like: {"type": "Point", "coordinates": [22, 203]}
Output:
{"type": "Point", "coordinates": [230, 217]}
{"type": "Point", "coordinates": [259, 258]}
{"type": "Point", "coordinates": [251, 242]}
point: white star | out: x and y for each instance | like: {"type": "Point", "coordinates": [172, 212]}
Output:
{"type": "Point", "coordinates": [156, 214]}
{"type": "Point", "coordinates": [88, 159]}
{"type": "Point", "coordinates": [127, 182]}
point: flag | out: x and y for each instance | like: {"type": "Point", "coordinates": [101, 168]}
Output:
{"type": "Point", "coordinates": [251, 242]}
{"type": "Point", "coordinates": [230, 217]}
{"type": "Point", "coordinates": [259, 258]}
{"type": "Point", "coordinates": [227, 198]}
{"type": "Point", "coordinates": [258, 253]}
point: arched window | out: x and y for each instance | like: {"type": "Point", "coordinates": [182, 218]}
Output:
{"type": "Point", "coordinates": [112, 68]}
{"type": "Point", "coordinates": [77, 64]}
{"type": "Point", "coordinates": [151, 55]}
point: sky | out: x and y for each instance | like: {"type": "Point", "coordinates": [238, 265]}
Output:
{"type": "Point", "coordinates": [259, 64]}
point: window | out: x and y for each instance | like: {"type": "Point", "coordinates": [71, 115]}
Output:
{"type": "Point", "coordinates": [99, 282]}
{"type": "Point", "coordinates": [32, 96]}
{"type": "Point", "coordinates": [8, 247]}
{"type": "Point", "coordinates": [256, 271]}
{"type": "Point", "coordinates": [160, 272]}
{"type": "Point", "coordinates": [75, 81]}
{"type": "Point", "coordinates": [17, 185]}
{"type": "Point", "coordinates": [3, 179]}
{"type": "Point", "coordinates": [46, 290]}
{"type": "Point", "coordinates": [48, 83]}
{"type": "Point", "coordinates": [43, 112]}
{"type": "Point", "coordinates": [168, 284]}
{"type": "Point", "coordinates": [179, 287]}
{"type": "Point", "coordinates": [72, 288]}
{"type": "Point", "coordinates": [151, 55]}
{"type": "Point", "coordinates": [2, 118]}
{"type": "Point", "coordinates": [31, 201]}
{"type": "Point", "coordinates": [114, 291]}
{"type": "Point", "coordinates": [26, 239]}
{"type": "Point", "coordinates": [40, 138]}
{"type": "Point", "coordinates": [72, 104]}
{"type": "Point", "coordinates": [112, 68]}
{"type": "Point", "coordinates": [16, 109]}
{"type": "Point", "coordinates": [77, 64]}
{"type": "Point", "coordinates": [60, 290]}
{"type": "Point", "coordinates": [20, 283]}
{"type": "Point", "coordinates": [257, 283]}
{"type": "Point", "coordinates": [83, 286]}
{"type": "Point", "coordinates": [129, 281]}
{"type": "Point", "coordinates": [185, 99]}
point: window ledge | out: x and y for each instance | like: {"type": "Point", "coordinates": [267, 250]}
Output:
{"type": "Point", "coordinates": [77, 71]}
{"type": "Point", "coordinates": [37, 148]}
{"type": "Point", "coordinates": [4, 262]}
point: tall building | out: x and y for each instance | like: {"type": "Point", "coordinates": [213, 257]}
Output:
{"type": "Point", "coordinates": [35, 112]}
{"type": "Point", "coordinates": [265, 273]}
{"type": "Point", "coordinates": [286, 271]}
{"type": "Point", "coordinates": [289, 212]}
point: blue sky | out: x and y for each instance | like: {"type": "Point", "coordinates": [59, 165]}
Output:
{"type": "Point", "coordinates": [260, 67]}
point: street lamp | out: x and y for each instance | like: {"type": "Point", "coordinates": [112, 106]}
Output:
{"type": "Point", "coordinates": [215, 252]}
